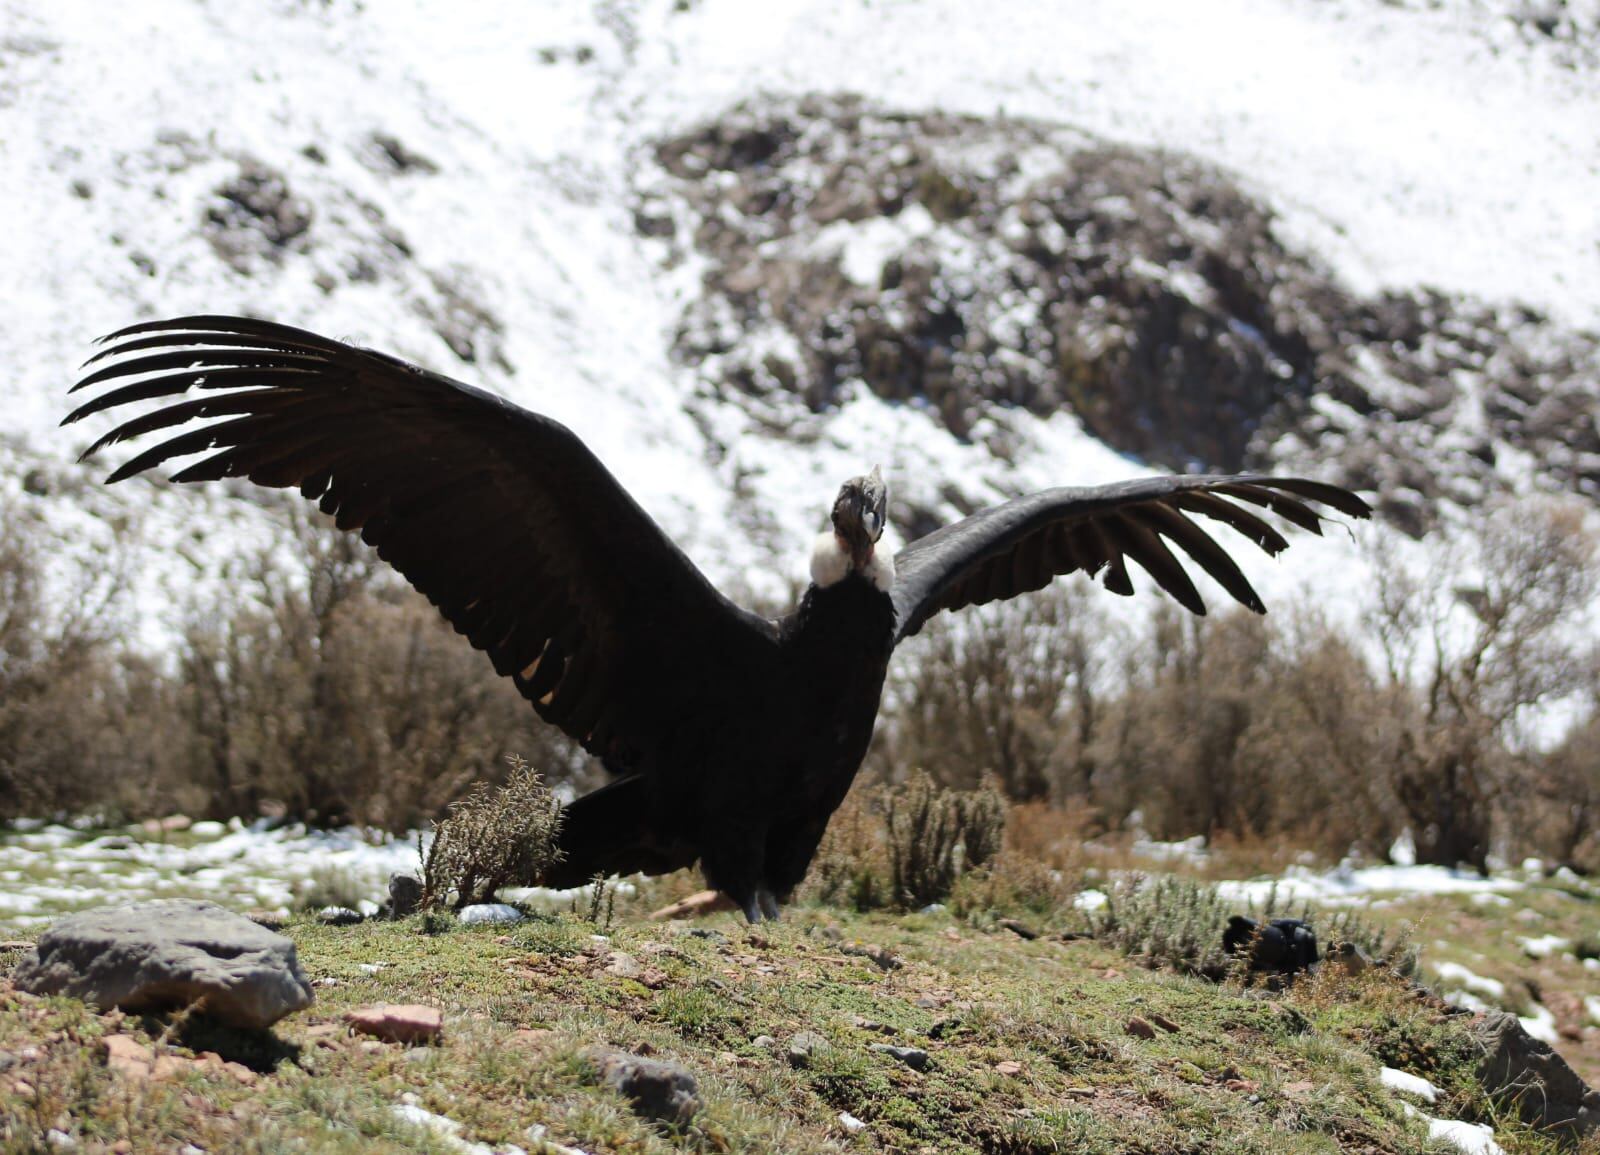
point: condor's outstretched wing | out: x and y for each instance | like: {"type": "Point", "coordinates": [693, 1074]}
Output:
{"type": "Point", "coordinates": [1025, 543]}
{"type": "Point", "coordinates": [502, 517]}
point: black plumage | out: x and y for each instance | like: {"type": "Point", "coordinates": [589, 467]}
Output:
{"type": "Point", "coordinates": [734, 738]}
{"type": "Point", "coordinates": [1280, 945]}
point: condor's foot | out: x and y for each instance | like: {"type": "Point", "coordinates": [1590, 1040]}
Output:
{"type": "Point", "coordinates": [763, 904]}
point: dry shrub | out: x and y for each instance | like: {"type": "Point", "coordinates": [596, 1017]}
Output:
{"type": "Point", "coordinates": [75, 704]}
{"type": "Point", "coordinates": [494, 837]}
{"type": "Point", "coordinates": [851, 867]}
{"type": "Point", "coordinates": [1053, 835]}
{"type": "Point", "coordinates": [1230, 726]}
{"type": "Point", "coordinates": [1494, 630]}
{"type": "Point", "coordinates": [935, 835]}
{"type": "Point", "coordinates": [904, 847]}
{"type": "Point", "coordinates": [327, 692]}
{"type": "Point", "coordinates": [1010, 692]}
{"type": "Point", "coordinates": [1013, 883]}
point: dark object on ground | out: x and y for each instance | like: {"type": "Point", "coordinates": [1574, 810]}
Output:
{"type": "Point", "coordinates": [1522, 1071]}
{"type": "Point", "coordinates": [167, 956]}
{"type": "Point", "coordinates": [405, 895]}
{"type": "Point", "coordinates": [1284, 945]}
{"type": "Point", "coordinates": [657, 1089]}
{"type": "Point", "coordinates": [340, 916]}
{"type": "Point", "coordinates": [914, 1057]}
{"type": "Point", "coordinates": [733, 738]}
{"type": "Point", "coordinates": [1020, 929]}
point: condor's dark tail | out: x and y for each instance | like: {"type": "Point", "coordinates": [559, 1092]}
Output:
{"type": "Point", "coordinates": [608, 831]}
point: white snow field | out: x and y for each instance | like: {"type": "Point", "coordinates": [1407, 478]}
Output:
{"type": "Point", "coordinates": [1405, 145]}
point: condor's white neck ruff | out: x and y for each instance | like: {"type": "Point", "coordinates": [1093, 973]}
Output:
{"type": "Point", "coordinates": [830, 564]}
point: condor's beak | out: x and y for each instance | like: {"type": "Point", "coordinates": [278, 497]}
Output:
{"type": "Point", "coordinates": [875, 515]}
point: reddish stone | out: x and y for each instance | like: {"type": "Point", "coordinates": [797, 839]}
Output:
{"type": "Point", "coordinates": [398, 1022]}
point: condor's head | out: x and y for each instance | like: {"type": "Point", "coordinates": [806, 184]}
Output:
{"type": "Point", "coordinates": [850, 544]}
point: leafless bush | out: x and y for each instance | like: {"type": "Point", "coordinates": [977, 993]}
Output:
{"type": "Point", "coordinates": [905, 846]}
{"type": "Point", "coordinates": [1478, 641]}
{"type": "Point", "coordinates": [494, 837]}
{"type": "Point", "coordinates": [330, 693]}
{"type": "Point", "coordinates": [1011, 691]}
{"type": "Point", "coordinates": [71, 696]}
{"type": "Point", "coordinates": [851, 867]}
{"type": "Point", "coordinates": [1236, 726]}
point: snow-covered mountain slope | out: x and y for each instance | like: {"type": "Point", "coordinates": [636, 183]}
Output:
{"type": "Point", "coordinates": [487, 191]}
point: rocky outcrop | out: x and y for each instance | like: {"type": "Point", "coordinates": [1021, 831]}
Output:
{"type": "Point", "coordinates": [1530, 1076]}
{"type": "Point", "coordinates": [168, 956]}
{"type": "Point", "coordinates": [977, 267]}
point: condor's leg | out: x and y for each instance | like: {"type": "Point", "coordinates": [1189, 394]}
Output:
{"type": "Point", "coordinates": [733, 862]}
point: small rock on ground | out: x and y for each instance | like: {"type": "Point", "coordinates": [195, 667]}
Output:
{"type": "Point", "coordinates": [1531, 1075]}
{"type": "Point", "coordinates": [803, 1045]}
{"type": "Point", "coordinates": [405, 894]}
{"type": "Point", "coordinates": [488, 912]}
{"type": "Point", "coordinates": [398, 1023]}
{"type": "Point", "coordinates": [128, 1057]}
{"type": "Point", "coordinates": [656, 1088]}
{"type": "Point", "coordinates": [914, 1057]}
{"type": "Point", "coordinates": [1140, 1028]}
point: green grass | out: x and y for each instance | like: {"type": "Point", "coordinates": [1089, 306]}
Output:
{"type": "Point", "coordinates": [1244, 1072]}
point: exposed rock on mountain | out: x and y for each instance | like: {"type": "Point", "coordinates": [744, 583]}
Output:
{"type": "Point", "coordinates": [961, 264]}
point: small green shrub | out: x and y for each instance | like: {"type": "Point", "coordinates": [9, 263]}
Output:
{"type": "Point", "coordinates": [935, 836]}
{"type": "Point", "coordinates": [494, 837]}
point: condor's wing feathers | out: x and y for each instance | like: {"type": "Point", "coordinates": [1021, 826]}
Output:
{"type": "Point", "coordinates": [1025, 543]}
{"type": "Point", "coordinates": [502, 517]}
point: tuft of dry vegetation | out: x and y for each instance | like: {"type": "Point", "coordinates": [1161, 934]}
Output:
{"type": "Point", "coordinates": [905, 847]}
{"type": "Point", "coordinates": [494, 837]}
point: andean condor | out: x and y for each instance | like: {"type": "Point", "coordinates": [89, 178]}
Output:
{"type": "Point", "coordinates": [734, 738]}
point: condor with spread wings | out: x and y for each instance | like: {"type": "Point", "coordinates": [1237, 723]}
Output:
{"type": "Point", "coordinates": [734, 738]}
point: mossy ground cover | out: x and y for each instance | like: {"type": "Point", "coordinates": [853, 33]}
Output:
{"type": "Point", "coordinates": [1029, 1047]}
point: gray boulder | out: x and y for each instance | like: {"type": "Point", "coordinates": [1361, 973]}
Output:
{"type": "Point", "coordinates": [171, 954]}
{"type": "Point", "coordinates": [1531, 1075]}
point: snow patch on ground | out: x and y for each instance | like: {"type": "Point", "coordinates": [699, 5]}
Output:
{"type": "Point", "coordinates": [1455, 972]}
{"type": "Point", "coordinates": [1541, 1025]}
{"type": "Point", "coordinates": [1544, 945]}
{"type": "Point", "coordinates": [1470, 1138]}
{"type": "Point", "coordinates": [1408, 1084]}
{"type": "Point", "coordinates": [1346, 884]}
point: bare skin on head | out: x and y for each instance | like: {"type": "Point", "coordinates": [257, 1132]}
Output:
{"type": "Point", "coordinates": [859, 515]}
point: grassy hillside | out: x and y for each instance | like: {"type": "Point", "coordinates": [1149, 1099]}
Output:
{"type": "Point", "coordinates": [1031, 1046]}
